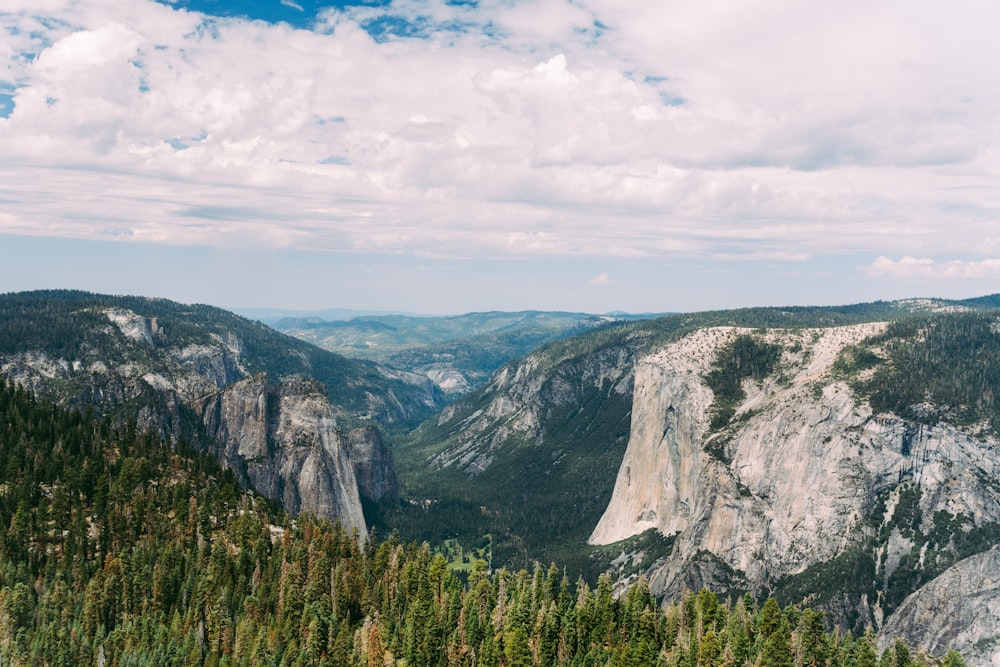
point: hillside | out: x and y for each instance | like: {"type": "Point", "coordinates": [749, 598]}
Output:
{"type": "Point", "coordinates": [744, 440]}
{"type": "Point", "coordinates": [294, 422]}
{"type": "Point", "coordinates": [457, 353]}
{"type": "Point", "coordinates": [78, 337]}
{"type": "Point", "coordinates": [122, 551]}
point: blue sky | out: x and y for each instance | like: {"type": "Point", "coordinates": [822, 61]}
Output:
{"type": "Point", "coordinates": [443, 157]}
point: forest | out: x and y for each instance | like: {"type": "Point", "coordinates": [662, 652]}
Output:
{"type": "Point", "coordinates": [937, 369]}
{"type": "Point", "coordinates": [123, 551]}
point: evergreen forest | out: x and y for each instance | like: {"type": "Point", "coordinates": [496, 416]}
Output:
{"type": "Point", "coordinates": [122, 551]}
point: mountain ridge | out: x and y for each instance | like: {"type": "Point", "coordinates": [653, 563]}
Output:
{"type": "Point", "coordinates": [285, 416]}
{"type": "Point", "coordinates": [457, 455]}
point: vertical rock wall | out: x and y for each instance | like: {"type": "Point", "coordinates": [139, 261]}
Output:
{"type": "Point", "coordinates": [792, 481]}
{"type": "Point", "coordinates": [285, 443]}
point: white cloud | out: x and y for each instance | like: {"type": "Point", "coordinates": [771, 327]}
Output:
{"type": "Point", "coordinates": [769, 129]}
{"type": "Point", "coordinates": [602, 279]}
{"type": "Point", "coordinates": [912, 267]}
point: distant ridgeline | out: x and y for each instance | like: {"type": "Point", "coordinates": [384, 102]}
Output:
{"type": "Point", "coordinates": [119, 550]}
{"type": "Point", "coordinates": [458, 353]}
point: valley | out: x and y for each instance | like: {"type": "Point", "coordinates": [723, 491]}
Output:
{"type": "Point", "coordinates": [840, 458]}
{"type": "Point", "coordinates": [457, 353]}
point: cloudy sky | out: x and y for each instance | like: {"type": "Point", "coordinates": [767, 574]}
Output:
{"type": "Point", "coordinates": [443, 157]}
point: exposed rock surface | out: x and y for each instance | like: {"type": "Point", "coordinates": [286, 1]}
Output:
{"type": "Point", "coordinates": [372, 461]}
{"type": "Point", "coordinates": [792, 481]}
{"type": "Point", "coordinates": [285, 442]}
{"type": "Point", "coordinates": [518, 399]}
{"type": "Point", "coordinates": [279, 434]}
{"type": "Point", "coordinates": [958, 610]}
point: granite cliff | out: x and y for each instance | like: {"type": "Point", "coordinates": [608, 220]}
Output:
{"type": "Point", "coordinates": [298, 424]}
{"type": "Point", "coordinates": [803, 484]}
{"type": "Point", "coordinates": [284, 441]}
{"type": "Point", "coordinates": [958, 609]}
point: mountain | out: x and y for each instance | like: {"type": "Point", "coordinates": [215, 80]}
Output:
{"type": "Point", "coordinates": [120, 550]}
{"type": "Point", "coordinates": [270, 316]}
{"type": "Point", "coordinates": [288, 418]}
{"type": "Point", "coordinates": [840, 457]}
{"type": "Point", "coordinates": [541, 443]}
{"type": "Point", "coordinates": [457, 353]}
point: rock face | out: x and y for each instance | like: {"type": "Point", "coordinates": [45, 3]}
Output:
{"type": "Point", "coordinates": [372, 461]}
{"type": "Point", "coordinates": [958, 609]}
{"type": "Point", "coordinates": [518, 400]}
{"type": "Point", "coordinates": [285, 442]}
{"type": "Point", "coordinates": [177, 373]}
{"type": "Point", "coordinates": [802, 475]}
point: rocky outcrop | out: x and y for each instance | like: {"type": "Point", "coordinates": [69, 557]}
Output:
{"type": "Point", "coordinates": [793, 480]}
{"type": "Point", "coordinates": [514, 407]}
{"type": "Point", "coordinates": [134, 327]}
{"type": "Point", "coordinates": [191, 365]}
{"type": "Point", "coordinates": [372, 460]}
{"type": "Point", "coordinates": [285, 442]}
{"type": "Point", "coordinates": [957, 610]}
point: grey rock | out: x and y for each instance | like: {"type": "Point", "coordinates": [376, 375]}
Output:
{"type": "Point", "coordinates": [959, 609]}
{"type": "Point", "coordinates": [285, 442]}
{"type": "Point", "coordinates": [790, 483]}
{"type": "Point", "coordinates": [372, 461]}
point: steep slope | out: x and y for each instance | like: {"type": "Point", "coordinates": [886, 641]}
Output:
{"type": "Point", "coordinates": [95, 343]}
{"type": "Point", "coordinates": [805, 491]}
{"type": "Point", "coordinates": [205, 375]}
{"type": "Point", "coordinates": [841, 457]}
{"type": "Point", "coordinates": [457, 353]}
{"type": "Point", "coordinates": [959, 608]}
{"type": "Point", "coordinates": [285, 443]}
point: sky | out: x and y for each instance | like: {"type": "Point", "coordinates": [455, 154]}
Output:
{"type": "Point", "coordinates": [445, 157]}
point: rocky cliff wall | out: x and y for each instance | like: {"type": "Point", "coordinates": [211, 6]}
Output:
{"type": "Point", "coordinates": [373, 466]}
{"type": "Point", "coordinates": [795, 479]}
{"type": "Point", "coordinates": [958, 609]}
{"type": "Point", "coordinates": [285, 442]}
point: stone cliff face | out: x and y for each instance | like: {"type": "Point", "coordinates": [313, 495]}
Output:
{"type": "Point", "coordinates": [372, 461]}
{"type": "Point", "coordinates": [958, 609]}
{"type": "Point", "coordinates": [795, 480]}
{"type": "Point", "coordinates": [518, 400]}
{"type": "Point", "coordinates": [285, 442]}
{"type": "Point", "coordinates": [284, 439]}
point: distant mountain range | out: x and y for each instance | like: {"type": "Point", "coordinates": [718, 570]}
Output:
{"type": "Point", "coordinates": [458, 353]}
{"type": "Point", "coordinates": [269, 316]}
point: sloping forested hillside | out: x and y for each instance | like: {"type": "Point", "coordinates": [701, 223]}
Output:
{"type": "Point", "coordinates": [457, 352]}
{"type": "Point", "coordinates": [79, 340]}
{"type": "Point", "coordinates": [121, 551]}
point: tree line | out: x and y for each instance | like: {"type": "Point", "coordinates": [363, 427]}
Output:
{"type": "Point", "coordinates": [122, 551]}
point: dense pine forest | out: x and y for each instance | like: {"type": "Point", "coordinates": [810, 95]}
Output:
{"type": "Point", "coordinates": [121, 551]}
